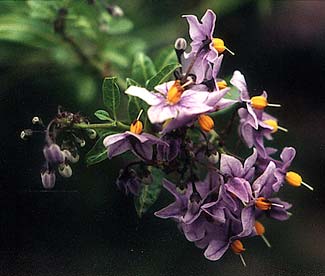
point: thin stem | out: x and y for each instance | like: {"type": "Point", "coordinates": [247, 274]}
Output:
{"type": "Point", "coordinates": [106, 125]}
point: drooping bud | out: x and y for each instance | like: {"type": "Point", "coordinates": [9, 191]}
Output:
{"type": "Point", "coordinates": [206, 122]}
{"type": "Point", "coordinates": [92, 134]}
{"type": "Point", "coordinates": [214, 158]}
{"type": "Point", "coordinates": [219, 45]}
{"type": "Point", "coordinates": [48, 179]}
{"type": "Point", "coordinates": [65, 170]}
{"type": "Point", "coordinates": [115, 10]}
{"type": "Point", "coordinates": [263, 204]}
{"type": "Point", "coordinates": [70, 157]}
{"type": "Point", "coordinates": [136, 127]}
{"type": "Point", "coordinates": [294, 179]}
{"type": "Point", "coordinates": [53, 154]}
{"type": "Point", "coordinates": [36, 120]}
{"type": "Point", "coordinates": [180, 44]}
{"type": "Point", "coordinates": [174, 93]}
{"type": "Point", "coordinates": [222, 84]}
{"type": "Point", "coordinates": [26, 133]}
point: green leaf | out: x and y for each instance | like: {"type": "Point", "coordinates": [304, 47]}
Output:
{"type": "Point", "coordinates": [134, 106]}
{"type": "Point", "coordinates": [103, 115]}
{"type": "Point", "coordinates": [166, 56]}
{"type": "Point", "coordinates": [142, 68]}
{"type": "Point", "coordinates": [114, 25]}
{"type": "Point", "coordinates": [131, 82]}
{"type": "Point", "coordinates": [162, 75]}
{"type": "Point", "coordinates": [149, 192]}
{"type": "Point", "coordinates": [111, 94]}
{"type": "Point", "coordinates": [233, 94]}
{"type": "Point", "coordinates": [98, 152]}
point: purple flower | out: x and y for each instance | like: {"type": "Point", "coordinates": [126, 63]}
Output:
{"type": "Point", "coordinates": [204, 55]}
{"type": "Point", "coordinates": [129, 182]}
{"type": "Point", "coordinates": [140, 144]}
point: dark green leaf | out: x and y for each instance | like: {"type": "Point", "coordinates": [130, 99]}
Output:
{"type": "Point", "coordinates": [102, 115]}
{"type": "Point", "coordinates": [131, 82]}
{"type": "Point", "coordinates": [98, 152]}
{"type": "Point", "coordinates": [134, 106]}
{"type": "Point", "coordinates": [142, 68]}
{"type": "Point", "coordinates": [162, 75]}
{"type": "Point", "coordinates": [166, 56]}
{"type": "Point", "coordinates": [149, 192]}
{"type": "Point", "coordinates": [111, 95]}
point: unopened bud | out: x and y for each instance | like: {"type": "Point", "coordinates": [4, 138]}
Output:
{"type": "Point", "coordinates": [24, 134]}
{"type": "Point", "coordinates": [53, 154]}
{"type": "Point", "coordinates": [36, 120]}
{"type": "Point", "coordinates": [70, 157]}
{"type": "Point", "coordinates": [92, 133]}
{"type": "Point", "coordinates": [65, 170]}
{"type": "Point", "coordinates": [214, 158]}
{"type": "Point", "coordinates": [115, 10]}
{"type": "Point", "coordinates": [48, 179]}
{"type": "Point", "coordinates": [180, 44]}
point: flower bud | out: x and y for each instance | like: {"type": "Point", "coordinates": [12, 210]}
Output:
{"type": "Point", "coordinates": [214, 158]}
{"type": "Point", "coordinates": [92, 133]}
{"type": "Point", "coordinates": [36, 120]}
{"type": "Point", "coordinates": [180, 44]}
{"type": "Point", "coordinates": [48, 179]}
{"type": "Point", "coordinates": [53, 154]}
{"type": "Point", "coordinates": [65, 170]}
{"type": "Point", "coordinates": [206, 122]}
{"type": "Point", "coordinates": [136, 127]}
{"type": "Point", "coordinates": [237, 247]}
{"type": "Point", "coordinates": [115, 10]}
{"type": "Point", "coordinates": [24, 134]}
{"type": "Point", "coordinates": [70, 157]}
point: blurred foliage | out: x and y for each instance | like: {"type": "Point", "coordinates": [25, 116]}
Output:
{"type": "Point", "coordinates": [85, 41]}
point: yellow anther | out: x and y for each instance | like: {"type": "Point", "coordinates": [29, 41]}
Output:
{"type": "Point", "coordinates": [274, 125]}
{"type": "Point", "coordinates": [219, 45]}
{"type": "Point", "coordinates": [259, 227]}
{"type": "Point", "coordinates": [259, 102]}
{"type": "Point", "coordinates": [206, 122]}
{"type": "Point", "coordinates": [222, 84]}
{"type": "Point", "coordinates": [136, 127]}
{"type": "Point", "coordinates": [260, 230]}
{"type": "Point", "coordinates": [263, 204]}
{"type": "Point", "coordinates": [237, 247]}
{"type": "Point", "coordinates": [174, 93]}
{"type": "Point", "coordinates": [294, 179]}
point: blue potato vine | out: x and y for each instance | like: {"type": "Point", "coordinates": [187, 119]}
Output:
{"type": "Point", "coordinates": [172, 142]}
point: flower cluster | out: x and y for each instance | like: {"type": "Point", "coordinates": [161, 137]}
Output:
{"type": "Point", "coordinates": [220, 197]}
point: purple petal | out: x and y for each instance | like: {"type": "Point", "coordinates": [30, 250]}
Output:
{"type": "Point", "coordinates": [162, 112]}
{"type": "Point", "coordinates": [230, 165]}
{"type": "Point", "coordinates": [216, 249]}
{"type": "Point", "coordinates": [238, 80]}
{"type": "Point", "coordinates": [149, 97]}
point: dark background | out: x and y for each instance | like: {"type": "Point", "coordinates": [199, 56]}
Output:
{"type": "Point", "coordinates": [87, 227]}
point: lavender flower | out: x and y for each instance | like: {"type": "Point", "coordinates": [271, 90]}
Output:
{"type": "Point", "coordinates": [140, 144]}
